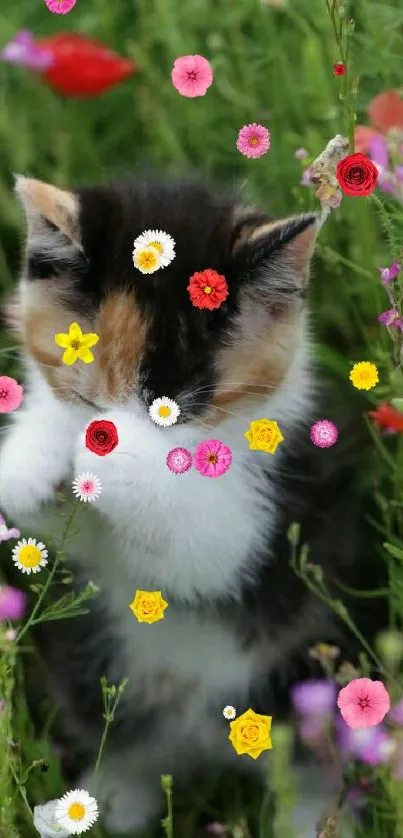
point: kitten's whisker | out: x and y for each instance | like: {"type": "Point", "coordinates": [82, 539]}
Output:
{"type": "Point", "coordinates": [230, 383]}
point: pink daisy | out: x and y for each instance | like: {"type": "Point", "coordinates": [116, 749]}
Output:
{"type": "Point", "coordinates": [253, 140]}
{"type": "Point", "coordinates": [363, 702]}
{"type": "Point", "coordinates": [11, 394]}
{"type": "Point", "coordinates": [212, 458]}
{"type": "Point", "coordinates": [87, 487]}
{"type": "Point", "coordinates": [60, 7]}
{"type": "Point", "coordinates": [192, 75]}
{"type": "Point", "coordinates": [324, 433]}
{"type": "Point", "coordinates": [179, 460]}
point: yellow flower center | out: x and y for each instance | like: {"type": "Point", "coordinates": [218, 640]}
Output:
{"type": "Point", "coordinates": [76, 811]}
{"type": "Point", "coordinates": [75, 344]}
{"type": "Point", "coordinates": [164, 411]}
{"type": "Point", "coordinates": [147, 260]}
{"type": "Point", "coordinates": [212, 458]}
{"type": "Point", "coordinates": [207, 289]}
{"type": "Point", "coordinates": [157, 246]}
{"type": "Point", "coordinates": [253, 141]}
{"type": "Point", "coordinates": [147, 606]}
{"type": "Point", "coordinates": [29, 555]}
{"type": "Point", "coordinates": [252, 732]}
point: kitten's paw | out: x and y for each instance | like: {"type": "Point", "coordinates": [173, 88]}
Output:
{"type": "Point", "coordinates": [29, 475]}
{"type": "Point", "coordinates": [124, 806]}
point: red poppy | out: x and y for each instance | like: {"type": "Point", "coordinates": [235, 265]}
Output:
{"type": "Point", "coordinates": [385, 111]}
{"type": "Point", "coordinates": [101, 437]}
{"type": "Point", "coordinates": [207, 289]}
{"type": "Point", "coordinates": [357, 175]}
{"type": "Point", "coordinates": [82, 66]}
{"type": "Point", "coordinates": [339, 69]}
{"type": "Point", "coordinates": [387, 418]}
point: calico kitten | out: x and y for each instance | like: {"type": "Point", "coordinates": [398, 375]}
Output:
{"type": "Point", "coordinates": [239, 622]}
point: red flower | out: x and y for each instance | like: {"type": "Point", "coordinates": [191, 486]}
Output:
{"type": "Point", "coordinates": [207, 289]}
{"type": "Point", "coordinates": [387, 418]}
{"type": "Point", "coordinates": [339, 69]}
{"type": "Point", "coordinates": [357, 175]}
{"type": "Point", "coordinates": [82, 66]}
{"type": "Point", "coordinates": [101, 437]}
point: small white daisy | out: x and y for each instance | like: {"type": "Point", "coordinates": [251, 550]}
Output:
{"type": "Point", "coordinates": [87, 487]}
{"type": "Point", "coordinates": [29, 556]}
{"type": "Point", "coordinates": [229, 712]}
{"type": "Point", "coordinates": [162, 242]}
{"type": "Point", "coordinates": [76, 811]}
{"type": "Point", "coordinates": [164, 412]}
{"type": "Point", "coordinates": [147, 259]}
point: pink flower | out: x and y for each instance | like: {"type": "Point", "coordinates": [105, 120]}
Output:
{"type": "Point", "coordinates": [372, 745]}
{"type": "Point", "coordinates": [179, 460]}
{"type": "Point", "coordinates": [12, 603]}
{"type": "Point", "coordinates": [5, 532]}
{"type": "Point", "coordinates": [192, 75]}
{"type": "Point", "coordinates": [253, 140]}
{"type": "Point", "coordinates": [391, 318]}
{"type": "Point", "coordinates": [388, 274]}
{"type": "Point", "coordinates": [24, 51]}
{"type": "Point", "coordinates": [212, 458]}
{"type": "Point", "coordinates": [363, 702]}
{"type": "Point", "coordinates": [306, 177]}
{"type": "Point", "coordinates": [60, 7]}
{"type": "Point", "coordinates": [11, 394]}
{"type": "Point", "coordinates": [396, 713]}
{"type": "Point", "coordinates": [324, 433]}
{"type": "Point", "coordinates": [87, 487]}
{"type": "Point", "coordinates": [301, 153]}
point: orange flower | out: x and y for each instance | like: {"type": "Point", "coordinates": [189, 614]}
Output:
{"type": "Point", "coordinates": [385, 111]}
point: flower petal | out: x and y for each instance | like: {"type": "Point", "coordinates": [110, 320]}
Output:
{"type": "Point", "coordinates": [75, 332]}
{"type": "Point", "coordinates": [85, 355]}
{"type": "Point", "coordinates": [89, 340]}
{"type": "Point", "coordinates": [386, 111]}
{"type": "Point", "coordinates": [62, 340]}
{"type": "Point", "coordinates": [69, 356]}
{"type": "Point", "coordinates": [378, 151]}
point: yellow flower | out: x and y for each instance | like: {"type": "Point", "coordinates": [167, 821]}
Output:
{"type": "Point", "coordinates": [250, 733]}
{"type": "Point", "coordinates": [148, 606]}
{"type": "Point", "coordinates": [364, 375]}
{"type": "Point", "coordinates": [264, 435]}
{"type": "Point", "coordinates": [76, 345]}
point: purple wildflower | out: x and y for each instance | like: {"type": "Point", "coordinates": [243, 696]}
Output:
{"type": "Point", "coordinates": [314, 697]}
{"type": "Point", "coordinates": [372, 745]}
{"type": "Point", "coordinates": [12, 603]}
{"type": "Point", "coordinates": [24, 51]}
{"type": "Point", "coordinates": [301, 153]}
{"type": "Point", "coordinates": [306, 177]}
{"type": "Point", "coordinates": [396, 713]}
{"type": "Point", "coordinates": [5, 533]}
{"type": "Point", "coordinates": [389, 274]}
{"type": "Point", "coordinates": [391, 318]}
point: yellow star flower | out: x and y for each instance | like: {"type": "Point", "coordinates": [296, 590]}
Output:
{"type": "Point", "coordinates": [264, 435]}
{"type": "Point", "coordinates": [148, 606]}
{"type": "Point", "coordinates": [364, 375]}
{"type": "Point", "coordinates": [250, 733]}
{"type": "Point", "coordinates": [76, 345]}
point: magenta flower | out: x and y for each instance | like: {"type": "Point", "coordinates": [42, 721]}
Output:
{"type": "Point", "coordinates": [306, 177]}
{"type": "Point", "coordinates": [372, 745]}
{"type": "Point", "coordinates": [5, 532]}
{"type": "Point", "coordinates": [11, 394]}
{"type": "Point", "coordinates": [24, 51]}
{"type": "Point", "coordinates": [363, 702]}
{"type": "Point", "coordinates": [301, 153]}
{"type": "Point", "coordinates": [179, 460]}
{"type": "Point", "coordinates": [324, 433]}
{"type": "Point", "coordinates": [389, 274]}
{"type": "Point", "coordinates": [314, 697]}
{"type": "Point", "coordinates": [192, 75]}
{"type": "Point", "coordinates": [12, 603]}
{"type": "Point", "coordinates": [212, 458]}
{"type": "Point", "coordinates": [253, 140]}
{"type": "Point", "coordinates": [60, 7]}
{"type": "Point", "coordinates": [391, 318]}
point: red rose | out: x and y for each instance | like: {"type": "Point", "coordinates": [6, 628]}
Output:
{"type": "Point", "coordinates": [357, 175]}
{"type": "Point", "coordinates": [101, 437]}
{"type": "Point", "coordinates": [339, 69]}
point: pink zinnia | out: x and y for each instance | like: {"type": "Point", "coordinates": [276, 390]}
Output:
{"type": "Point", "coordinates": [324, 433]}
{"type": "Point", "coordinates": [12, 603]}
{"type": "Point", "coordinates": [253, 140]}
{"type": "Point", "coordinates": [212, 458]}
{"type": "Point", "coordinates": [179, 460]}
{"type": "Point", "coordinates": [192, 75]}
{"type": "Point", "coordinates": [363, 702]}
{"type": "Point", "coordinates": [60, 7]}
{"type": "Point", "coordinates": [11, 394]}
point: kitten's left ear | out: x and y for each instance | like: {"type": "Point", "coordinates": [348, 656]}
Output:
{"type": "Point", "coordinates": [51, 214]}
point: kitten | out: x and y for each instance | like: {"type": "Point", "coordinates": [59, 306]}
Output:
{"type": "Point", "coordinates": [239, 622]}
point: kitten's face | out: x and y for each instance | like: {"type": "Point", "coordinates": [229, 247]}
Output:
{"type": "Point", "coordinates": [152, 341]}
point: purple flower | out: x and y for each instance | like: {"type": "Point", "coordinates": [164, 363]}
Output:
{"type": "Point", "coordinates": [395, 714]}
{"type": "Point", "coordinates": [315, 697]}
{"type": "Point", "coordinates": [388, 274]}
{"type": "Point", "coordinates": [23, 50]}
{"type": "Point", "coordinates": [312, 729]}
{"type": "Point", "coordinates": [12, 603]}
{"type": "Point", "coordinates": [391, 318]}
{"type": "Point", "coordinates": [300, 153]}
{"type": "Point", "coordinates": [217, 829]}
{"type": "Point", "coordinates": [371, 745]}
{"type": "Point", "coordinates": [5, 533]}
{"type": "Point", "coordinates": [306, 177]}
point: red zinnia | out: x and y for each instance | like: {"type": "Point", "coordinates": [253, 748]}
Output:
{"type": "Point", "coordinates": [82, 66]}
{"type": "Point", "coordinates": [357, 175]}
{"type": "Point", "coordinates": [387, 418]}
{"type": "Point", "coordinates": [101, 437]}
{"type": "Point", "coordinates": [339, 69]}
{"type": "Point", "coordinates": [207, 289]}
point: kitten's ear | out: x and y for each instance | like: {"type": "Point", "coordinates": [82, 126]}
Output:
{"type": "Point", "coordinates": [52, 218]}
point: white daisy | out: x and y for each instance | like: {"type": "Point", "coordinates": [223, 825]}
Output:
{"type": "Point", "coordinates": [164, 411]}
{"type": "Point", "coordinates": [162, 242]}
{"type": "Point", "coordinates": [229, 712]}
{"type": "Point", "coordinates": [76, 811]}
{"type": "Point", "coordinates": [87, 487]}
{"type": "Point", "coordinates": [146, 259]}
{"type": "Point", "coordinates": [29, 556]}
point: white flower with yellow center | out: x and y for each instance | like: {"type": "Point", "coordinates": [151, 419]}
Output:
{"type": "Point", "coordinates": [147, 259]}
{"type": "Point", "coordinates": [229, 712]}
{"type": "Point", "coordinates": [161, 241]}
{"type": "Point", "coordinates": [76, 811]}
{"type": "Point", "coordinates": [164, 412]}
{"type": "Point", "coordinates": [29, 556]}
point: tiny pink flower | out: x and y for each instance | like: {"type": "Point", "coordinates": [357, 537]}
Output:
{"type": "Point", "coordinates": [12, 603]}
{"type": "Point", "coordinates": [363, 702]}
{"type": "Point", "coordinates": [212, 458]}
{"type": "Point", "coordinates": [60, 7]}
{"type": "Point", "coordinates": [217, 829]}
{"type": "Point", "coordinates": [306, 177]}
{"type": "Point", "coordinates": [23, 50]}
{"type": "Point", "coordinates": [389, 274]}
{"type": "Point", "coordinates": [192, 75]}
{"type": "Point", "coordinates": [391, 318]}
{"type": "Point", "coordinates": [301, 153]}
{"type": "Point", "coordinates": [179, 460]}
{"type": "Point", "coordinates": [324, 433]}
{"type": "Point", "coordinates": [87, 487]}
{"type": "Point", "coordinates": [11, 394]}
{"type": "Point", "coordinates": [11, 634]}
{"type": "Point", "coordinates": [253, 140]}
{"type": "Point", "coordinates": [5, 532]}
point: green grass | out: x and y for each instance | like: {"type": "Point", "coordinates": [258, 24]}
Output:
{"type": "Point", "coordinates": [272, 66]}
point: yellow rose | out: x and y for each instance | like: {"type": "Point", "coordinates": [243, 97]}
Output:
{"type": "Point", "coordinates": [250, 734]}
{"type": "Point", "coordinates": [264, 435]}
{"type": "Point", "coordinates": [148, 606]}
